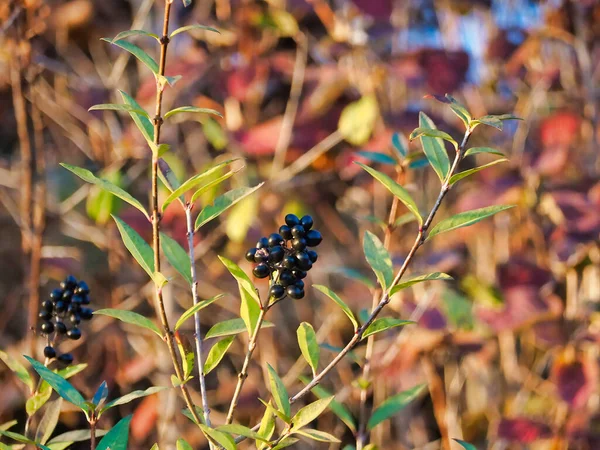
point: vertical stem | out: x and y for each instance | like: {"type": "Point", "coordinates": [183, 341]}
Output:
{"type": "Point", "coordinates": [93, 434]}
{"type": "Point", "coordinates": [158, 120]}
{"type": "Point", "coordinates": [244, 372]}
{"type": "Point", "coordinates": [196, 299]}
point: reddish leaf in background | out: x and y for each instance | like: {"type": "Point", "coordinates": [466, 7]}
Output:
{"type": "Point", "coordinates": [519, 272]}
{"type": "Point", "coordinates": [144, 418]}
{"type": "Point", "coordinates": [247, 83]}
{"type": "Point", "coordinates": [575, 381]}
{"type": "Point", "coordinates": [445, 70]}
{"type": "Point", "coordinates": [559, 129]}
{"type": "Point", "coordinates": [380, 9]}
{"type": "Point", "coordinates": [524, 431]}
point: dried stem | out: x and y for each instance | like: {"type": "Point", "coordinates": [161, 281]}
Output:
{"type": "Point", "coordinates": [196, 299]}
{"type": "Point", "coordinates": [93, 434]}
{"type": "Point", "coordinates": [385, 298]}
{"type": "Point", "coordinates": [158, 120]}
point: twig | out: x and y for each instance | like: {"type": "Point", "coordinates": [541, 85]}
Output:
{"type": "Point", "coordinates": [158, 120]}
{"type": "Point", "coordinates": [196, 299]}
{"type": "Point", "coordinates": [93, 434]}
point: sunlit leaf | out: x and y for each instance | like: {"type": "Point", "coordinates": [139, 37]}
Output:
{"type": "Point", "coordinates": [286, 442]}
{"type": "Point", "coordinates": [378, 157]}
{"type": "Point", "coordinates": [465, 445]}
{"type": "Point", "coordinates": [49, 421]}
{"type": "Point", "coordinates": [223, 203]}
{"type": "Point", "coordinates": [18, 369]}
{"type": "Point", "coordinates": [74, 436]}
{"type": "Point", "coordinates": [333, 296]}
{"type": "Point", "coordinates": [434, 148]}
{"type": "Point", "coordinates": [384, 323]}
{"type": "Point", "coordinates": [182, 444]}
{"type": "Point", "coordinates": [279, 392]}
{"type": "Point", "coordinates": [142, 122]}
{"type": "Point", "coordinates": [118, 107]}
{"type": "Point", "coordinates": [241, 431]}
{"type": "Point", "coordinates": [419, 279]}
{"type": "Point", "coordinates": [176, 256]}
{"type": "Point", "coordinates": [379, 259]}
{"type": "Point", "coordinates": [459, 176]}
{"type": "Point", "coordinates": [310, 412]}
{"type": "Point", "coordinates": [400, 145]}
{"type": "Point", "coordinates": [216, 354]}
{"type": "Point", "coordinates": [89, 177]}
{"type": "Point", "coordinates": [128, 33]}
{"type": "Point", "coordinates": [130, 317]}
{"type": "Point", "coordinates": [194, 309]}
{"type": "Point", "coordinates": [433, 133]}
{"type": "Point", "coordinates": [316, 435]}
{"type": "Point", "coordinates": [132, 396]}
{"type": "Point", "coordinates": [336, 407]}
{"type": "Point", "coordinates": [101, 394]}
{"type": "Point", "coordinates": [267, 426]}
{"type": "Point", "coordinates": [223, 439]}
{"type": "Point", "coordinates": [117, 437]}
{"type": "Point", "coordinates": [393, 405]}
{"type": "Point", "coordinates": [307, 340]}
{"type": "Point", "coordinates": [231, 326]}
{"type": "Point", "coordinates": [193, 27]}
{"type": "Point", "coordinates": [465, 219]}
{"type": "Point", "coordinates": [140, 54]}
{"type": "Point", "coordinates": [191, 109]}
{"type": "Point", "coordinates": [186, 353]}
{"type": "Point", "coordinates": [476, 150]}
{"type": "Point", "coordinates": [358, 119]}
{"type": "Point", "coordinates": [241, 218]}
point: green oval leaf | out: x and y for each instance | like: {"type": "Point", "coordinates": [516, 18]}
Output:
{"type": "Point", "coordinates": [419, 279]}
{"type": "Point", "coordinates": [231, 326]}
{"type": "Point", "coordinates": [279, 392]}
{"type": "Point", "coordinates": [140, 54]}
{"type": "Point", "coordinates": [117, 437]}
{"type": "Point", "coordinates": [459, 176]}
{"type": "Point", "coordinates": [465, 219]}
{"type": "Point", "coordinates": [434, 148]}
{"type": "Point", "coordinates": [316, 435]}
{"type": "Point", "coordinates": [132, 396]}
{"type": "Point", "coordinates": [216, 354]}
{"type": "Point", "coordinates": [101, 394]}
{"type": "Point", "coordinates": [465, 444]}
{"type": "Point", "coordinates": [400, 145]}
{"type": "Point", "coordinates": [336, 407]}
{"type": "Point", "coordinates": [476, 150]}
{"type": "Point", "coordinates": [137, 246]}
{"type": "Point", "coordinates": [378, 157]}
{"type": "Point", "coordinates": [307, 340]}
{"type": "Point", "coordinates": [333, 296]}
{"type": "Point", "coordinates": [74, 436]}
{"type": "Point", "coordinates": [418, 132]}
{"type": "Point", "coordinates": [398, 191]}
{"type": "Point", "coordinates": [18, 369]}
{"type": "Point", "coordinates": [242, 431]}
{"type": "Point", "coordinates": [141, 121]}
{"type": "Point", "coordinates": [129, 33]}
{"type": "Point", "coordinates": [222, 439]}
{"type": "Point", "coordinates": [222, 204]}
{"type": "Point", "coordinates": [208, 186]}
{"type": "Point", "coordinates": [393, 405]}
{"type": "Point", "coordinates": [130, 317]}
{"type": "Point", "coordinates": [59, 384]}
{"type": "Point", "coordinates": [89, 177]}
{"type": "Point", "coordinates": [353, 274]}
{"type": "Point", "coordinates": [176, 256]}
{"type": "Point", "coordinates": [118, 107]}
{"type": "Point", "coordinates": [379, 259]}
{"type": "Point", "coordinates": [49, 421]}
{"type": "Point", "coordinates": [193, 27]}
{"type": "Point", "coordinates": [310, 412]}
{"type": "Point", "coordinates": [358, 119]}
{"type": "Point", "coordinates": [250, 301]}
{"type": "Point", "coordinates": [192, 109]}
{"type": "Point", "coordinates": [182, 444]}
{"type": "Point", "coordinates": [384, 323]}
{"type": "Point", "coordinates": [194, 309]}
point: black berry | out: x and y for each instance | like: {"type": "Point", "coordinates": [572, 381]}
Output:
{"type": "Point", "coordinates": [49, 352]}
{"type": "Point", "coordinates": [261, 255]}
{"type": "Point", "coordinates": [250, 254]}
{"type": "Point", "coordinates": [312, 255]}
{"type": "Point", "coordinates": [60, 306]}
{"type": "Point", "coordinates": [299, 284]}
{"type": "Point", "coordinates": [304, 261]}
{"type": "Point", "coordinates": [307, 222]}
{"type": "Point", "coordinates": [61, 328]}
{"type": "Point", "coordinates": [299, 243]}
{"type": "Point", "coordinates": [69, 283]}
{"type": "Point", "coordinates": [77, 299]}
{"type": "Point", "coordinates": [82, 288]}
{"type": "Point", "coordinates": [261, 271]}
{"type": "Point", "coordinates": [286, 232]}
{"type": "Point", "coordinates": [48, 305]}
{"type": "Point", "coordinates": [286, 278]}
{"type": "Point", "coordinates": [313, 238]}
{"type": "Point", "coordinates": [299, 274]}
{"type": "Point", "coordinates": [86, 300]}
{"type": "Point", "coordinates": [66, 358]}
{"type": "Point", "coordinates": [47, 327]}
{"type": "Point", "coordinates": [263, 242]}
{"type": "Point", "coordinates": [298, 231]}
{"type": "Point", "coordinates": [67, 295]}
{"type": "Point", "coordinates": [277, 291]}
{"type": "Point", "coordinates": [74, 334]}
{"type": "Point", "coordinates": [275, 239]}
{"type": "Point", "coordinates": [56, 294]}
{"type": "Point", "coordinates": [45, 315]}
{"type": "Point", "coordinates": [74, 318]}
{"type": "Point", "coordinates": [295, 292]}
{"type": "Point", "coordinates": [276, 254]}
{"type": "Point", "coordinates": [292, 220]}
{"type": "Point", "coordinates": [289, 262]}
{"type": "Point", "coordinates": [86, 313]}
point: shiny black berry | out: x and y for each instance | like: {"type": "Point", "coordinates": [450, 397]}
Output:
{"type": "Point", "coordinates": [275, 239]}
{"type": "Point", "coordinates": [312, 255]}
{"type": "Point", "coordinates": [82, 288]}
{"type": "Point", "coordinates": [56, 294]}
{"type": "Point", "coordinates": [73, 308]}
{"type": "Point", "coordinates": [250, 254]}
{"type": "Point", "coordinates": [313, 238]}
{"type": "Point", "coordinates": [306, 222]}
{"type": "Point", "coordinates": [69, 283]}
{"type": "Point", "coordinates": [66, 358]}
{"type": "Point", "coordinates": [263, 242]}
{"type": "Point", "coordinates": [77, 299]}
{"type": "Point", "coordinates": [261, 256]}
{"type": "Point", "coordinates": [67, 295]}
{"type": "Point", "coordinates": [276, 291]}
{"type": "Point", "coordinates": [299, 274]}
{"type": "Point", "coordinates": [47, 327]}
{"type": "Point", "coordinates": [276, 254]}
{"type": "Point", "coordinates": [295, 292]}
{"type": "Point", "coordinates": [45, 315]}
{"type": "Point", "coordinates": [299, 243]}
{"type": "Point", "coordinates": [286, 232]}
{"type": "Point", "coordinates": [261, 271]}
{"type": "Point", "coordinates": [286, 278]}
{"type": "Point", "coordinates": [292, 220]}
{"type": "Point", "coordinates": [299, 284]}
{"type": "Point", "coordinates": [86, 313]}
{"type": "Point", "coordinates": [74, 334]}
{"type": "Point", "coordinates": [49, 352]}
{"type": "Point", "coordinates": [61, 328]}
{"type": "Point", "coordinates": [304, 261]}
{"type": "Point", "coordinates": [86, 300]}
{"type": "Point", "coordinates": [60, 306]}
{"type": "Point", "coordinates": [289, 262]}
{"type": "Point", "coordinates": [74, 318]}
{"type": "Point", "coordinates": [298, 231]}
{"type": "Point", "coordinates": [48, 305]}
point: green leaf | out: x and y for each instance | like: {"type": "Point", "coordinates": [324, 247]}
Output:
{"type": "Point", "coordinates": [358, 119]}
{"type": "Point", "coordinates": [336, 407]}
{"type": "Point", "coordinates": [89, 177]}
{"type": "Point", "coordinates": [182, 444]}
{"type": "Point", "coordinates": [186, 412]}
{"type": "Point", "coordinates": [36, 401]}
{"type": "Point", "coordinates": [379, 259]}
{"type": "Point", "coordinates": [310, 412]}
{"type": "Point", "coordinates": [118, 107]}
{"type": "Point", "coordinates": [19, 370]}
{"type": "Point", "coordinates": [117, 437]}
{"type": "Point", "coordinates": [167, 176]}
{"type": "Point", "coordinates": [128, 33]}
{"type": "Point", "coordinates": [193, 27]}
{"type": "Point", "coordinates": [222, 203]}
{"type": "Point", "coordinates": [433, 133]}
{"type": "Point", "coordinates": [307, 340]}
{"type": "Point", "coordinates": [231, 326]}
{"type": "Point", "coordinates": [74, 436]}
{"type": "Point", "coordinates": [155, 447]}
{"type": "Point", "coordinates": [17, 437]}
{"type": "Point", "coordinates": [187, 355]}
{"type": "Point", "coordinates": [241, 218]}
{"type": "Point", "coordinates": [316, 435]}
{"type": "Point", "coordinates": [434, 148]}
{"type": "Point", "coordinates": [490, 121]}
{"type": "Point", "coordinates": [132, 396]}
{"type": "Point", "coordinates": [267, 426]}
{"type": "Point", "coordinates": [465, 219]}
{"type": "Point", "coordinates": [142, 122]}
{"type": "Point", "coordinates": [214, 133]}
{"type": "Point", "coordinates": [137, 52]}
{"type": "Point", "coordinates": [216, 354]}
{"type": "Point", "coordinates": [398, 191]}
{"type": "Point", "coordinates": [404, 219]}
{"type": "Point", "coordinates": [59, 384]}
{"type": "Point", "coordinates": [241, 431]}
{"type": "Point", "coordinates": [279, 393]}
{"type": "Point", "coordinates": [130, 317]}
{"type": "Point", "coordinates": [223, 439]}
{"type": "Point", "coordinates": [384, 323]}
{"type": "Point", "coordinates": [459, 310]}
{"type": "Point", "coordinates": [186, 3]}
{"type": "Point", "coordinates": [101, 394]}
{"type": "Point", "coordinates": [286, 442]}
{"type": "Point", "coordinates": [459, 176]}
{"type": "Point", "coordinates": [353, 274]}
{"type": "Point", "coordinates": [419, 279]}
{"type": "Point", "coordinates": [193, 182]}
{"type": "Point", "coordinates": [176, 256]}
{"type": "Point", "coordinates": [476, 150]}
{"type": "Point", "coordinates": [333, 296]}
{"type": "Point", "coordinates": [400, 145]}
{"type": "Point", "coordinates": [192, 109]}
{"type": "Point", "coordinates": [393, 405]}
{"type": "Point", "coordinates": [8, 425]}
{"type": "Point", "coordinates": [208, 186]}
{"type": "Point", "coordinates": [100, 204]}
{"type": "Point", "coordinates": [194, 309]}
{"type": "Point", "coordinates": [49, 421]}
{"type": "Point", "coordinates": [378, 157]}
{"type": "Point", "coordinates": [465, 444]}
{"type": "Point", "coordinates": [459, 110]}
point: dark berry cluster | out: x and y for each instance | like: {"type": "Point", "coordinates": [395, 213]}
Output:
{"type": "Point", "coordinates": [62, 313]}
{"type": "Point", "coordinates": [286, 256]}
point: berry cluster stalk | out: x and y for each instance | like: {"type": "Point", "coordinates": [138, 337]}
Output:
{"type": "Point", "coordinates": [385, 298]}
{"type": "Point", "coordinates": [158, 120]}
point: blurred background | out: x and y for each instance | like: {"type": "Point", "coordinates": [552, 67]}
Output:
{"type": "Point", "coordinates": [508, 350]}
